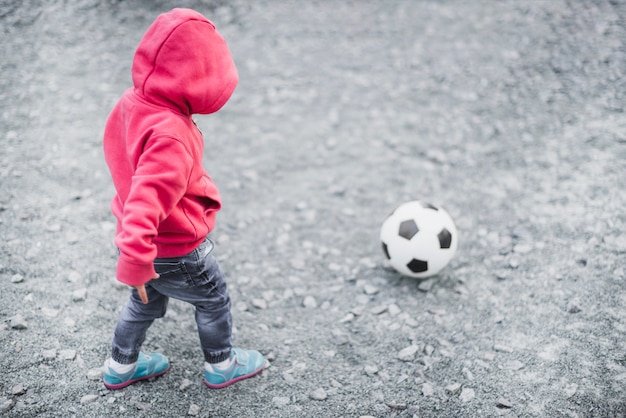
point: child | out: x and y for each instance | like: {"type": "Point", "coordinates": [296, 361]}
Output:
{"type": "Point", "coordinates": [166, 203]}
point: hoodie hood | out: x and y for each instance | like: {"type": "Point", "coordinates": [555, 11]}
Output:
{"type": "Point", "coordinates": [182, 62]}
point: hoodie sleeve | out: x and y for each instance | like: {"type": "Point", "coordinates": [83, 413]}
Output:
{"type": "Point", "coordinates": [159, 183]}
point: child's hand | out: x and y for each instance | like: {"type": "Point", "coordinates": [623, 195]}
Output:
{"type": "Point", "coordinates": [141, 289]}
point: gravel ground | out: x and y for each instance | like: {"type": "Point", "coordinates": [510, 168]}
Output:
{"type": "Point", "coordinates": [509, 114]}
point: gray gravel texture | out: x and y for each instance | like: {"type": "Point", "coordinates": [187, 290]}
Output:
{"type": "Point", "coordinates": [509, 114]}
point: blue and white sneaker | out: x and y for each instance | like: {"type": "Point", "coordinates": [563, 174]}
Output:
{"type": "Point", "coordinates": [243, 364]}
{"type": "Point", "coordinates": [147, 366]}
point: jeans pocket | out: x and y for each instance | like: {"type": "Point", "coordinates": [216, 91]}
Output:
{"type": "Point", "coordinates": [172, 274]}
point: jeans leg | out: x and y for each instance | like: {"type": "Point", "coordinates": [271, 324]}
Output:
{"type": "Point", "coordinates": [214, 320]}
{"type": "Point", "coordinates": [135, 319]}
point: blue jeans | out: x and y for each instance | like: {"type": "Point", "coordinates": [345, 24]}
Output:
{"type": "Point", "coordinates": [195, 278]}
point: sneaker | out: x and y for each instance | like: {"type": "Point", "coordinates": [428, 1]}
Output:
{"type": "Point", "coordinates": [147, 367]}
{"type": "Point", "coordinates": [244, 364]}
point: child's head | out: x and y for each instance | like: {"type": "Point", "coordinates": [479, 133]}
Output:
{"type": "Point", "coordinates": [183, 62]}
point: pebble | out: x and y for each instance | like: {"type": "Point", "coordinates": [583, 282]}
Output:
{"type": "Point", "coordinates": [453, 388]}
{"type": "Point", "coordinates": [280, 401]}
{"type": "Point", "coordinates": [5, 405]}
{"type": "Point", "coordinates": [259, 303]}
{"type": "Point", "coordinates": [79, 295]}
{"type": "Point", "coordinates": [502, 348]}
{"type": "Point", "coordinates": [18, 389]}
{"type": "Point", "coordinates": [504, 403]}
{"type": "Point", "coordinates": [94, 374]}
{"type": "Point", "coordinates": [18, 322]}
{"type": "Point", "coordinates": [380, 309]}
{"type": "Point", "coordinates": [185, 384]}
{"type": "Point", "coordinates": [408, 353]}
{"type": "Point", "coordinates": [428, 389]}
{"type": "Point", "coordinates": [570, 390]}
{"type": "Point", "coordinates": [425, 286]}
{"type": "Point", "coordinates": [394, 309]}
{"type": "Point", "coordinates": [513, 365]}
{"type": "Point", "coordinates": [49, 312]}
{"type": "Point", "coordinates": [573, 307]}
{"type": "Point", "coordinates": [67, 354]}
{"type": "Point", "coordinates": [467, 395]}
{"type": "Point", "coordinates": [370, 290]}
{"type": "Point", "coordinates": [50, 354]}
{"type": "Point", "coordinates": [87, 399]}
{"type": "Point", "coordinates": [318, 395]}
{"type": "Point", "coordinates": [371, 369]}
{"type": "Point", "coordinates": [17, 278]}
{"type": "Point", "coordinates": [347, 318]}
{"type": "Point", "coordinates": [142, 406]}
{"type": "Point", "coordinates": [194, 410]}
{"type": "Point", "coordinates": [522, 248]}
{"type": "Point", "coordinates": [309, 302]}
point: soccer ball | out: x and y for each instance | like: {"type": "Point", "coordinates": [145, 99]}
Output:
{"type": "Point", "coordinates": [418, 239]}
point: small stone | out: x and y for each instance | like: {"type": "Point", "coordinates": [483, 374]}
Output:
{"type": "Point", "coordinates": [49, 312]}
{"type": "Point", "coordinates": [396, 406]}
{"type": "Point", "coordinates": [194, 410]}
{"type": "Point", "coordinates": [371, 369]}
{"type": "Point", "coordinates": [185, 384]}
{"type": "Point", "coordinates": [429, 349]}
{"type": "Point", "coordinates": [425, 286]}
{"type": "Point", "coordinates": [394, 309]}
{"type": "Point", "coordinates": [50, 354]}
{"type": "Point", "coordinates": [466, 395]}
{"type": "Point", "coordinates": [408, 353]}
{"type": "Point", "coordinates": [17, 278]}
{"type": "Point", "coordinates": [370, 290]}
{"type": "Point", "coordinates": [18, 322]}
{"type": "Point", "coordinates": [18, 390]}
{"type": "Point", "coordinates": [75, 277]}
{"type": "Point", "coordinates": [513, 365]}
{"type": "Point", "coordinates": [504, 403]}
{"type": "Point", "coordinates": [94, 374]}
{"type": "Point", "coordinates": [522, 248]}
{"type": "Point", "coordinates": [570, 390]}
{"type": "Point", "coordinates": [67, 354]}
{"type": "Point", "coordinates": [5, 405]}
{"type": "Point", "coordinates": [573, 307]}
{"type": "Point", "coordinates": [453, 388]}
{"type": "Point", "coordinates": [502, 348]}
{"type": "Point", "coordinates": [79, 295]}
{"type": "Point", "coordinates": [349, 317]}
{"type": "Point", "coordinates": [428, 389]}
{"type": "Point", "coordinates": [259, 303]}
{"type": "Point", "coordinates": [318, 395]}
{"type": "Point", "coordinates": [377, 310]}
{"type": "Point", "coordinates": [87, 399]}
{"type": "Point", "coordinates": [280, 401]}
{"type": "Point", "coordinates": [309, 302]}
{"type": "Point", "coordinates": [142, 406]}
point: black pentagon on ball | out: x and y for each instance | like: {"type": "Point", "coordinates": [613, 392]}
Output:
{"type": "Point", "coordinates": [386, 251]}
{"type": "Point", "coordinates": [408, 229]}
{"type": "Point", "coordinates": [417, 266]}
{"type": "Point", "coordinates": [445, 238]}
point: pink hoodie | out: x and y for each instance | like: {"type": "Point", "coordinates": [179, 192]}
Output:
{"type": "Point", "coordinates": [166, 202]}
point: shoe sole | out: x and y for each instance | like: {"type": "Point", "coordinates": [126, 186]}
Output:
{"type": "Point", "coordinates": [235, 380]}
{"type": "Point", "coordinates": [130, 382]}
